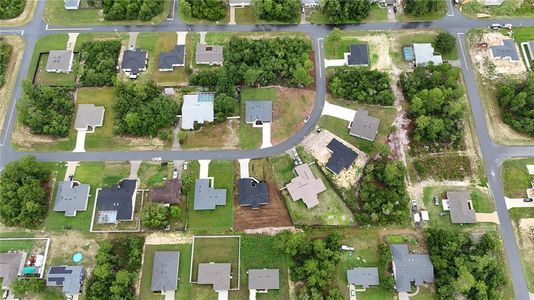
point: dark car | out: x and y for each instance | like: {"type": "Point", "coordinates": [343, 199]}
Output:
{"type": "Point", "coordinates": [528, 200]}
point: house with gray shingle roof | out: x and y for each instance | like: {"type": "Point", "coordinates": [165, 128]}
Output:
{"type": "Point", "coordinates": [259, 112]}
{"type": "Point", "coordinates": [305, 186]}
{"type": "Point", "coordinates": [70, 278]}
{"type": "Point", "coordinates": [59, 61]}
{"type": "Point", "coordinates": [11, 265]}
{"type": "Point", "coordinates": [207, 197]}
{"type": "Point", "coordinates": [461, 208]}
{"type": "Point", "coordinates": [209, 54]}
{"type": "Point", "coordinates": [408, 268]}
{"type": "Point", "coordinates": [88, 117]}
{"type": "Point", "coordinates": [364, 277]}
{"type": "Point", "coordinates": [171, 59]}
{"type": "Point", "coordinates": [507, 50]}
{"type": "Point", "coordinates": [71, 197]}
{"type": "Point", "coordinates": [165, 271]}
{"type": "Point", "coordinates": [216, 274]}
{"type": "Point", "coordinates": [263, 279]}
{"type": "Point", "coordinates": [134, 62]}
{"type": "Point", "coordinates": [364, 126]}
{"type": "Point", "coordinates": [252, 193]}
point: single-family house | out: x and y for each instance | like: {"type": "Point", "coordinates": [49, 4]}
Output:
{"type": "Point", "coordinates": [71, 197]}
{"type": "Point", "coordinates": [461, 208]}
{"type": "Point", "coordinates": [134, 62]}
{"type": "Point", "coordinates": [408, 268]}
{"type": "Point", "coordinates": [216, 274]}
{"type": "Point", "coordinates": [364, 277]}
{"type": "Point", "coordinates": [88, 117]}
{"type": "Point", "coordinates": [207, 197]}
{"type": "Point", "coordinates": [165, 271]}
{"type": "Point", "coordinates": [310, 3]}
{"type": "Point", "coordinates": [262, 280]}
{"type": "Point", "coordinates": [11, 265]}
{"type": "Point", "coordinates": [59, 61]}
{"type": "Point", "coordinates": [174, 58]}
{"type": "Point", "coordinates": [252, 193]}
{"type": "Point", "coordinates": [424, 54]}
{"type": "Point", "coordinates": [364, 126]}
{"type": "Point", "coordinates": [71, 4]}
{"type": "Point", "coordinates": [358, 55]}
{"type": "Point", "coordinates": [507, 50]}
{"type": "Point", "coordinates": [117, 203]}
{"type": "Point", "coordinates": [197, 108]}
{"type": "Point", "coordinates": [169, 194]}
{"type": "Point", "coordinates": [239, 3]}
{"type": "Point", "coordinates": [305, 186]}
{"type": "Point", "coordinates": [259, 112]}
{"type": "Point", "coordinates": [209, 54]}
{"type": "Point", "coordinates": [341, 156]}
{"type": "Point", "coordinates": [69, 278]}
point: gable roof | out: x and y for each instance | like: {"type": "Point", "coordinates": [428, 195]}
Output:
{"type": "Point", "coordinates": [359, 55]}
{"type": "Point", "coordinates": [206, 54]}
{"type": "Point", "coordinates": [305, 186]}
{"type": "Point", "coordinates": [259, 110]}
{"type": "Point", "coordinates": [206, 197]}
{"type": "Point", "coordinates": [409, 268]}
{"type": "Point", "coordinates": [363, 276]}
{"type": "Point", "coordinates": [342, 156]}
{"type": "Point", "coordinates": [134, 60]}
{"type": "Point", "coordinates": [89, 115]}
{"type": "Point", "coordinates": [176, 57]}
{"type": "Point", "coordinates": [263, 279]}
{"type": "Point", "coordinates": [424, 54]}
{"type": "Point", "coordinates": [169, 194]}
{"type": "Point", "coordinates": [197, 108]}
{"type": "Point", "coordinates": [165, 271]}
{"type": "Point", "coordinates": [252, 193]}
{"type": "Point", "coordinates": [217, 274]}
{"type": "Point", "coordinates": [11, 265]}
{"type": "Point", "coordinates": [461, 208]}
{"type": "Point", "coordinates": [506, 50]}
{"type": "Point", "coordinates": [60, 60]}
{"type": "Point", "coordinates": [71, 196]}
{"type": "Point", "coordinates": [118, 198]}
{"type": "Point", "coordinates": [68, 277]}
{"type": "Point", "coordinates": [364, 126]}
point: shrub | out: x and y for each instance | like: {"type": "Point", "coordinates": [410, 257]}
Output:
{"type": "Point", "coordinates": [5, 56]}
{"type": "Point", "coordinates": [143, 10]}
{"type": "Point", "coordinates": [10, 9]}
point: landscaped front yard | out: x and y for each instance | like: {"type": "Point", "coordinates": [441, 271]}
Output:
{"type": "Point", "coordinates": [515, 177]}
{"type": "Point", "coordinates": [42, 77]}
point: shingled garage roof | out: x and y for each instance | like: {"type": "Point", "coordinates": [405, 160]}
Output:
{"type": "Point", "coordinates": [118, 198]}
{"type": "Point", "coordinates": [252, 193]}
{"type": "Point", "coordinates": [59, 60]}
{"type": "Point", "coordinates": [68, 277]}
{"type": "Point", "coordinates": [263, 279]}
{"type": "Point", "coordinates": [462, 211]}
{"type": "Point", "coordinates": [363, 276]}
{"type": "Point", "coordinates": [165, 271]}
{"type": "Point", "coordinates": [209, 54]}
{"type": "Point", "coordinates": [409, 268]}
{"type": "Point", "coordinates": [359, 55]}
{"type": "Point", "coordinates": [342, 156]}
{"type": "Point", "coordinates": [259, 110]}
{"type": "Point", "coordinates": [217, 274]}
{"type": "Point", "coordinates": [169, 194]}
{"type": "Point", "coordinates": [71, 196]}
{"type": "Point", "coordinates": [89, 116]}
{"type": "Point", "coordinates": [305, 186]}
{"type": "Point", "coordinates": [174, 58]}
{"type": "Point", "coordinates": [134, 60]}
{"type": "Point", "coordinates": [506, 50]}
{"type": "Point", "coordinates": [206, 197]}
{"type": "Point", "coordinates": [364, 126]}
{"type": "Point", "coordinates": [10, 266]}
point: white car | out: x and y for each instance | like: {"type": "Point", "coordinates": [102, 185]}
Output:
{"type": "Point", "coordinates": [175, 174]}
{"type": "Point", "coordinates": [156, 159]}
{"type": "Point", "coordinates": [507, 26]}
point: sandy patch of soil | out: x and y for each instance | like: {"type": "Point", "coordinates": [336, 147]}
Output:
{"type": "Point", "coordinates": [63, 246]}
{"type": "Point", "coordinates": [24, 17]}
{"type": "Point", "coordinates": [270, 230]}
{"type": "Point", "coordinates": [380, 46]}
{"type": "Point", "coordinates": [143, 144]}
{"type": "Point", "coordinates": [528, 225]}
{"type": "Point", "coordinates": [231, 137]}
{"type": "Point", "coordinates": [416, 189]}
{"type": "Point", "coordinates": [25, 139]}
{"type": "Point", "coordinates": [17, 44]}
{"type": "Point", "coordinates": [162, 238]}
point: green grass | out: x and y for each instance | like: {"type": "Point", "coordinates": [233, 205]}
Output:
{"type": "Point", "coordinates": [515, 177]}
{"type": "Point", "coordinates": [191, 20]}
{"type": "Point", "coordinates": [222, 37]}
{"type": "Point", "coordinates": [153, 174]}
{"type": "Point", "coordinates": [425, 293]}
{"type": "Point", "coordinates": [45, 44]}
{"type": "Point", "coordinates": [442, 166]}
{"type": "Point", "coordinates": [508, 9]}
{"type": "Point", "coordinates": [283, 167]}
{"type": "Point", "coordinates": [184, 287]}
{"type": "Point", "coordinates": [20, 245]}
{"type": "Point", "coordinates": [42, 77]}
{"type": "Point", "coordinates": [250, 137]}
{"type": "Point", "coordinates": [211, 135]}
{"type": "Point", "coordinates": [99, 36]}
{"type": "Point", "coordinates": [220, 219]}
{"type": "Point", "coordinates": [245, 16]}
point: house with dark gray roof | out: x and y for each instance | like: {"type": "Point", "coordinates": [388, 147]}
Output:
{"type": "Point", "coordinates": [305, 186]}
{"type": "Point", "coordinates": [252, 193]}
{"type": "Point", "coordinates": [165, 271]}
{"type": "Point", "coordinates": [197, 108]}
{"type": "Point", "coordinates": [259, 112]}
{"type": "Point", "coordinates": [342, 156]}
{"type": "Point", "coordinates": [88, 117]}
{"type": "Point", "coordinates": [117, 203]}
{"type": "Point", "coordinates": [263, 279]}
{"type": "Point", "coordinates": [59, 61]}
{"type": "Point", "coordinates": [174, 58]}
{"type": "Point", "coordinates": [507, 50]}
{"type": "Point", "coordinates": [70, 278]}
{"type": "Point", "coordinates": [364, 126]}
{"type": "Point", "coordinates": [424, 54]}
{"type": "Point", "coordinates": [71, 197]}
{"type": "Point", "coordinates": [364, 277]}
{"type": "Point", "coordinates": [461, 208]}
{"type": "Point", "coordinates": [209, 54]}
{"type": "Point", "coordinates": [216, 274]}
{"type": "Point", "coordinates": [207, 197]}
{"type": "Point", "coordinates": [11, 265]}
{"type": "Point", "coordinates": [358, 55]}
{"type": "Point", "coordinates": [134, 62]}
{"type": "Point", "coordinates": [408, 268]}
{"type": "Point", "coordinates": [71, 4]}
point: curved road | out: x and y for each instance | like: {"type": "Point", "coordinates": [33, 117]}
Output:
{"type": "Point", "coordinates": [493, 154]}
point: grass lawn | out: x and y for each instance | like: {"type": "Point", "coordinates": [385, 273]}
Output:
{"type": "Point", "coordinates": [245, 16]}
{"type": "Point", "coordinates": [220, 219]}
{"type": "Point", "coordinates": [184, 287]}
{"type": "Point", "coordinates": [283, 166]}
{"type": "Point", "coordinates": [525, 242]}
{"type": "Point", "coordinates": [250, 137]}
{"type": "Point", "coordinates": [212, 135]}
{"type": "Point", "coordinates": [377, 14]}
{"type": "Point", "coordinates": [56, 14]}
{"type": "Point", "coordinates": [515, 177]}
{"type": "Point", "coordinates": [45, 44]}
{"type": "Point", "coordinates": [42, 77]}
{"type": "Point", "coordinates": [20, 245]}
{"type": "Point", "coordinates": [441, 166]}
{"type": "Point", "coordinates": [99, 36]}
{"type": "Point", "coordinates": [508, 9]}
{"type": "Point", "coordinates": [153, 174]}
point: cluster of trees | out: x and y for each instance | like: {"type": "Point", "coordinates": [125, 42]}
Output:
{"type": "Point", "coordinates": [46, 110]}
{"type": "Point", "coordinates": [157, 216]}
{"type": "Point", "coordinates": [445, 42]}
{"type": "Point", "coordinates": [361, 84]}
{"type": "Point", "coordinates": [143, 10]}
{"type": "Point", "coordinates": [141, 109]}
{"type": "Point", "coordinates": [436, 103]}
{"type": "Point", "coordinates": [342, 11]}
{"type": "Point", "coordinates": [10, 9]}
{"type": "Point", "coordinates": [516, 100]}
{"type": "Point", "coordinates": [213, 10]}
{"type": "Point", "coordinates": [24, 193]}
{"type": "Point", "coordinates": [465, 268]}
{"type": "Point", "coordinates": [277, 10]}
{"type": "Point", "coordinates": [99, 67]}
{"type": "Point", "coordinates": [383, 196]}
{"type": "Point", "coordinates": [421, 7]}
{"type": "Point", "coordinates": [5, 56]}
{"type": "Point", "coordinates": [314, 261]}
{"type": "Point", "coordinates": [31, 286]}
{"type": "Point", "coordinates": [117, 264]}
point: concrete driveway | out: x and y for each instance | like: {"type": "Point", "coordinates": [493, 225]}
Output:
{"type": "Point", "coordinates": [134, 168]}
{"type": "Point", "coordinates": [517, 202]}
{"type": "Point", "coordinates": [204, 168]}
{"type": "Point", "coordinates": [338, 112]}
{"type": "Point", "coordinates": [266, 135]}
{"type": "Point", "coordinates": [73, 36]}
{"type": "Point", "coordinates": [181, 39]}
{"type": "Point", "coordinates": [80, 141]}
{"type": "Point", "coordinates": [232, 16]}
{"type": "Point", "coordinates": [243, 168]}
{"type": "Point", "coordinates": [334, 63]}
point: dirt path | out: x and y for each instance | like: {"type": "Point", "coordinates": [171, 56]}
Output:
{"type": "Point", "coordinates": [163, 238]}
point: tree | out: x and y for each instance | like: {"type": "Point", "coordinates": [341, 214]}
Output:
{"type": "Point", "coordinates": [341, 11]}
{"type": "Point", "coordinates": [213, 10]}
{"type": "Point", "coordinates": [224, 107]}
{"type": "Point", "coordinates": [422, 7]}
{"type": "Point", "coordinates": [23, 287]}
{"type": "Point", "coordinates": [143, 10]}
{"type": "Point", "coordinates": [362, 85]}
{"type": "Point", "coordinates": [5, 56]}
{"type": "Point", "coordinates": [187, 181]}
{"type": "Point", "coordinates": [445, 42]}
{"type": "Point", "coordinates": [175, 211]}
{"type": "Point", "coordinates": [277, 10]}
{"type": "Point", "coordinates": [334, 38]}
{"type": "Point", "coordinates": [99, 62]}
{"type": "Point", "coordinates": [10, 9]}
{"type": "Point", "coordinates": [155, 216]}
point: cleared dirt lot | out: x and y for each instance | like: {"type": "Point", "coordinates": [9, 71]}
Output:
{"type": "Point", "coordinates": [490, 67]}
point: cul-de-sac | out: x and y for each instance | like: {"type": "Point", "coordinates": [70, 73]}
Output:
{"type": "Point", "coordinates": [267, 149]}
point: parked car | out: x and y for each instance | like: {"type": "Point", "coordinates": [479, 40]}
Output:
{"type": "Point", "coordinates": [156, 158]}
{"type": "Point", "coordinates": [436, 200]}
{"type": "Point", "coordinates": [175, 174]}
{"type": "Point", "coordinates": [414, 203]}
{"type": "Point", "coordinates": [507, 26]}
{"type": "Point", "coordinates": [528, 200]}
{"type": "Point", "coordinates": [306, 119]}
{"type": "Point", "coordinates": [185, 165]}
{"type": "Point", "coordinates": [495, 26]}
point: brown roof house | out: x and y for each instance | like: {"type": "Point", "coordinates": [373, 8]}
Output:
{"type": "Point", "coordinates": [169, 194]}
{"type": "Point", "coordinates": [305, 186]}
{"type": "Point", "coordinates": [209, 54]}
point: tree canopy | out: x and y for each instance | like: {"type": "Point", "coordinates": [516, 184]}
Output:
{"type": "Point", "coordinates": [516, 99]}
{"type": "Point", "coordinates": [341, 11]}
{"type": "Point", "coordinates": [99, 62]}
{"type": "Point", "coordinates": [421, 7]}
{"type": "Point", "coordinates": [10, 9]}
{"type": "Point", "coordinates": [277, 10]}
{"type": "Point", "coordinates": [361, 84]}
{"type": "Point", "coordinates": [46, 110]}
{"type": "Point", "coordinates": [5, 56]}
{"type": "Point", "coordinates": [212, 10]}
{"type": "Point", "coordinates": [143, 10]}
{"type": "Point", "coordinates": [24, 193]}
{"type": "Point", "coordinates": [445, 42]}
{"type": "Point", "coordinates": [155, 216]}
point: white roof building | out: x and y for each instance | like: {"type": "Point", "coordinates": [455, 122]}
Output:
{"type": "Point", "coordinates": [424, 54]}
{"type": "Point", "coordinates": [197, 108]}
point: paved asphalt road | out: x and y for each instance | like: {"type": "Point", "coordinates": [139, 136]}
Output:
{"type": "Point", "coordinates": [493, 154]}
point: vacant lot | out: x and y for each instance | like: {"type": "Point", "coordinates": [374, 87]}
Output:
{"type": "Point", "coordinates": [153, 174]}
{"type": "Point", "coordinates": [523, 222]}
{"type": "Point", "coordinates": [220, 135]}
{"type": "Point", "coordinates": [508, 9]}
{"type": "Point", "coordinates": [377, 14]}
{"type": "Point", "coordinates": [440, 166]}
{"type": "Point", "coordinates": [515, 177]}
{"type": "Point", "coordinates": [245, 16]}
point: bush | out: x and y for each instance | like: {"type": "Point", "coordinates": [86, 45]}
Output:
{"type": "Point", "coordinates": [212, 10]}
{"type": "Point", "coordinates": [224, 107]}
{"type": "Point", "coordinates": [175, 211]}
{"type": "Point", "coordinates": [143, 10]}
{"type": "Point", "coordinates": [10, 9]}
{"type": "Point", "coordinates": [277, 10]}
{"type": "Point", "coordinates": [361, 84]}
{"type": "Point", "coordinates": [23, 287]}
{"type": "Point", "coordinates": [516, 100]}
{"type": "Point", "coordinates": [445, 42]}
{"type": "Point", "coordinates": [155, 216]}
{"type": "Point", "coordinates": [341, 11]}
{"type": "Point", "coordinates": [99, 62]}
{"type": "Point", "coordinates": [5, 56]}
{"type": "Point", "coordinates": [421, 7]}
{"type": "Point", "coordinates": [182, 137]}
